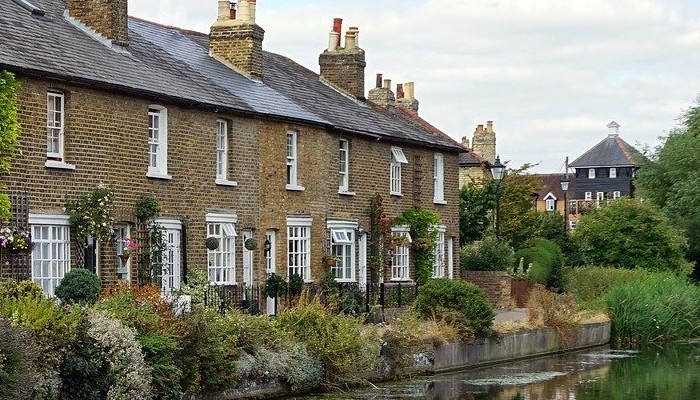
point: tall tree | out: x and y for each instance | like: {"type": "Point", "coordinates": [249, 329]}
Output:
{"type": "Point", "coordinates": [476, 206]}
{"type": "Point", "coordinates": [518, 218]}
{"type": "Point", "coordinates": [9, 132]}
{"type": "Point", "coordinates": [629, 233]}
{"type": "Point", "coordinates": [671, 179]}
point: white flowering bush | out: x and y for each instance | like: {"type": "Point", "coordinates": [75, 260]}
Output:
{"type": "Point", "coordinates": [93, 215]}
{"type": "Point", "coordinates": [131, 374]}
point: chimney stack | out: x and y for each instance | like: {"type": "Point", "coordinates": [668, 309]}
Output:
{"type": "Point", "coordinates": [484, 142]}
{"type": "Point", "coordinates": [408, 99]}
{"type": "Point", "coordinates": [382, 95]}
{"type": "Point", "coordinates": [344, 67]}
{"type": "Point", "coordinates": [236, 39]}
{"type": "Point", "coordinates": [108, 18]}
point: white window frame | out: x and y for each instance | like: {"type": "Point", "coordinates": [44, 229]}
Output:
{"type": "Point", "coordinates": [55, 131]}
{"type": "Point", "coordinates": [292, 160]}
{"type": "Point", "coordinates": [439, 179]}
{"type": "Point", "coordinates": [591, 173]}
{"type": "Point", "coordinates": [549, 204]}
{"type": "Point", "coordinates": [616, 195]}
{"type": "Point", "coordinates": [343, 247]}
{"type": "Point", "coordinates": [158, 147]}
{"type": "Point", "coordinates": [343, 166]}
{"type": "Point", "coordinates": [171, 273]}
{"type": "Point", "coordinates": [299, 247]}
{"type": "Point", "coordinates": [572, 224]}
{"type": "Point", "coordinates": [588, 196]}
{"type": "Point", "coordinates": [122, 231]}
{"type": "Point", "coordinates": [221, 262]}
{"type": "Point", "coordinates": [439, 252]}
{"type": "Point", "coordinates": [401, 259]}
{"type": "Point", "coordinates": [50, 258]}
{"type": "Point", "coordinates": [613, 172]}
{"type": "Point", "coordinates": [397, 158]}
{"type": "Point", "coordinates": [600, 196]}
{"type": "Point", "coordinates": [222, 154]}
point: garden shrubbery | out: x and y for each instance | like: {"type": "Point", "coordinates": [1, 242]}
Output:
{"type": "Point", "coordinates": [488, 254]}
{"type": "Point", "coordinates": [545, 263]}
{"type": "Point", "coordinates": [459, 302]}
{"type": "Point", "coordinates": [79, 286]}
{"type": "Point", "coordinates": [590, 284]}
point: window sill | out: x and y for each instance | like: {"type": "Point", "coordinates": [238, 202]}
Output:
{"type": "Point", "coordinates": [402, 280]}
{"type": "Point", "coordinates": [397, 194]}
{"type": "Point", "coordinates": [440, 202]}
{"type": "Point", "coordinates": [59, 165]}
{"type": "Point", "coordinates": [159, 175]}
{"type": "Point", "coordinates": [295, 188]}
{"type": "Point", "coordinates": [345, 280]}
{"type": "Point", "coordinates": [222, 283]}
{"type": "Point", "coordinates": [346, 193]}
{"type": "Point", "coordinates": [225, 182]}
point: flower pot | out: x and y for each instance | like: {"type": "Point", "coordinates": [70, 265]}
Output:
{"type": "Point", "coordinates": [124, 258]}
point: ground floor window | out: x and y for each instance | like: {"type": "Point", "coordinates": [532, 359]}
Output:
{"type": "Point", "coordinates": [51, 252]}
{"type": "Point", "coordinates": [400, 258]}
{"type": "Point", "coordinates": [222, 260]}
{"type": "Point", "coordinates": [342, 235]}
{"type": "Point", "coordinates": [299, 247]}
{"type": "Point", "coordinates": [439, 253]}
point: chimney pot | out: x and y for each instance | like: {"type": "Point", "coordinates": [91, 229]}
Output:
{"type": "Point", "coordinates": [479, 128]}
{"type": "Point", "coordinates": [489, 126]}
{"type": "Point", "coordinates": [333, 40]}
{"type": "Point", "coordinates": [387, 84]}
{"type": "Point", "coordinates": [465, 142]}
{"type": "Point", "coordinates": [252, 9]}
{"type": "Point", "coordinates": [399, 91]}
{"type": "Point", "coordinates": [244, 11]}
{"type": "Point", "coordinates": [410, 91]}
{"type": "Point", "coordinates": [379, 80]}
{"type": "Point", "coordinates": [338, 29]}
{"type": "Point", "coordinates": [350, 40]}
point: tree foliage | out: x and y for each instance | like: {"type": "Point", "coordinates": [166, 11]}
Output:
{"type": "Point", "coordinates": [517, 215]}
{"type": "Point", "coordinates": [9, 132]}
{"type": "Point", "coordinates": [423, 225]}
{"type": "Point", "coordinates": [476, 206]}
{"type": "Point", "coordinates": [671, 178]}
{"type": "Point", "coordinates": [629, 233]}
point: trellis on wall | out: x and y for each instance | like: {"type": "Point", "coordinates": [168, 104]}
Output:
{"type": "Point", "coordinates": [16, 266]}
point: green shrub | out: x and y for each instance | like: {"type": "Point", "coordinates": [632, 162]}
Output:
{"type": "Point", "coordinates": [488, 254]}
{"type": "Point", "coordinates": [347, 351]}
{"type": "Point", "coordinates": [545, 263]}
{"type": "Point", "coordinates": [665, 308]}
{"type": "Point", "coordinates": [11, 289]}
{"type": "Point", "coordinates": [159, 351]}
{"type": "Point", "coordinates": [197, 281]}
{"type": "Point", "coordinates": [438, 296]}
{"type": "Point", "coordinates": [79, 286]}
{"type": "Point", "coordinates": [140, 315]}
{"type": "Point", "coordinates": [590, 284]}
{"type": "Point", "coordinates": [84, 372]}
{"type": "Point", "coordinates": [18, 359]}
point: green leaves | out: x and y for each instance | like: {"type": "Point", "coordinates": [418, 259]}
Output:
{"type": "Point", "coordinates": [9, 131]}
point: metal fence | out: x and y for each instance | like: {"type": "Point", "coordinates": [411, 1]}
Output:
{"type": "Point", "coordinates": [347, 297]}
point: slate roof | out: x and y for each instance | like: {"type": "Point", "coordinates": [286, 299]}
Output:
{"type": "Point", "coordinates": [551, 183]}
{"type": "Point", "coordinates": [610, 152]}
{"type": "Point", "coordinates": [470, 159]}
{"type": "Point", "coordinates": [174, 64]}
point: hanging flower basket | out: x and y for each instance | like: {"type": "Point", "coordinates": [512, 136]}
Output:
{"type": "Point", "coordinates": [16, 241]}
{"type": "Point", "coordinates": [251, 244]}
{"type": "Point", "coordinates": [212, 243]}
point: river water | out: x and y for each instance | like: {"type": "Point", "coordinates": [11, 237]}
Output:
{"type": "Point", "coordinates": [670, 373]}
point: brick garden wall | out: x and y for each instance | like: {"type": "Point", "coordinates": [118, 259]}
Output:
{"type": "Point", "coordinates": [495, 284]}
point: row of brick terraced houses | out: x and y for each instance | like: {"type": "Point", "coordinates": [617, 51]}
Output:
{"type": "Point", "coordinates": [233, 141]}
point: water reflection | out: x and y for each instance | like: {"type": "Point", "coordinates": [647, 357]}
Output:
{"type": "Point", "coordinates": [651, 374]}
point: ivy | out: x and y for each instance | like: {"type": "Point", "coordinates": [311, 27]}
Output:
{"type": "Point", "coordinates": [424, 233]}
{"type": "Point", "coordinates": [380, 243]}
{"type": "Point", "coordinates": [9, 132]}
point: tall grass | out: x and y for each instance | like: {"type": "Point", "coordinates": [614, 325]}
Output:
{"type": "Point", "coordinates": [590, 284]}
{"type": "Point", "coordinates": [663, 308]}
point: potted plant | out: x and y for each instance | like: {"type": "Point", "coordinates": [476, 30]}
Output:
{"type": "Point", "coordinates": [251, 244]}
{"type": "Point", "coordinates": [130, 246]}
{"type": "Point", "coordinates": [212, 243]}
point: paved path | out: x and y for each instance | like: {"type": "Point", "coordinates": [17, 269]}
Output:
{"type": "Point", "coordinates": [515, 314]}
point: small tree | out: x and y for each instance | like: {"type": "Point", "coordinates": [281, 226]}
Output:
{"type": "Point", "coordinates": [78, 286]}
{"type": "Point", "coordinates": [476, 204]}
{"type": "Point", "coordinates": [628, 233]}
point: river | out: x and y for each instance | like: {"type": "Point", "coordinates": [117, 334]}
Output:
{"type": "Point", "coordinates": [670, 373]}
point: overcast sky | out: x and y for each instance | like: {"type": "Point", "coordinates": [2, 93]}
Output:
{"type": "Point", "coordinates": [551, 74]}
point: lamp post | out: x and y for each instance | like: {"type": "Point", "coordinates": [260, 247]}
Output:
{"type": "Point", "coordinates": [565, 187]}
{"type": "Point", "coordinates": [497, 172]}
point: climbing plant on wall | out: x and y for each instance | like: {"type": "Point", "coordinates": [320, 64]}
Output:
{"type": "Point", "coordinates": [9, 132]}
{"type": "Point", "coordinates": [93, 215]}
{"type": "Point", "coordinates": [423, 224]}
{"type": "Point", "coordinates": [380, 245]}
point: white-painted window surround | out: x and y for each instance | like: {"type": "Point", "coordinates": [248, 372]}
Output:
{"type": "Point", "coordinates": [222, 154]}
{"type": "Point", "coordinates": [222, 261]}
{"type": "Point", "coordinates": [439, 252]}
{"type": "Point", "coordinates": [51, 252]}
{"type": "Point", "coordinates": [397, 159]}
{"type": "Point", "coordinates": [299, 247]}
{"type": "Point", "coordinates": [292, 162]}
{"type": "Point", "coordinates": [400, 258]}
{"type": "Point", "coordinates": [591, 173]}
{"type": "Point", "coordinates": [55, 131]}
{"type": "Point", "coordinates": [158, 142]}
{"type": "Point", "coordinates": [439, 179]}
{"type": "Point", "coordinates": [343, 166]}
{"type": "Point", "coordinates": [549, 204]}
{"type": "Point", "coordinates": [342, 234]}
{"type": "Point", "coordinates": [171, 262]}
{"type": "Point", "coordinates": [613, 172]}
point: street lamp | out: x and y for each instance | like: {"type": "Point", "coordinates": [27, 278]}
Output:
{"type": "Point", "coordinates": [565, 187]}
{"type": "Point", "coordinates": [498, 170]}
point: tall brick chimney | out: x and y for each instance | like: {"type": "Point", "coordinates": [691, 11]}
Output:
{"type": "Point", "coordinates": [236, 39]}
{"type": "Point", "coordinates": [109, 18]}
{"type": "Point", "coordinates": [344, 67]}
{"type": "Point", "coordinates": [484, 142]}
{"type": "Point", "coordinates": [407, 97]}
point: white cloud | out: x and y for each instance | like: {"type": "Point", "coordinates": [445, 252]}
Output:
{"type": "Point", "coordinates": [551, 74]}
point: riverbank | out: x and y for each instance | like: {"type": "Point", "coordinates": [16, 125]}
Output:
{"type": "Point", "coordinates": [439, 357]}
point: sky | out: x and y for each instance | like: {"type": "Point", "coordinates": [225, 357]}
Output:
{"type": "Point", "coordinates": [551, 74]}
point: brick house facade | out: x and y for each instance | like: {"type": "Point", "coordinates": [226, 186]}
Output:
{"type": "Point", "coordinates": [138, 95]}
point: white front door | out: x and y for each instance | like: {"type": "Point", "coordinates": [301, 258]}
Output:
{"type": "Point", "coordinates": [172, 257]}
{"type": "Point", "coordinates": [121, 232]}
{"type": "Point", "coordinates": [362, 262]}
{"type": "Point", "coordinates": [450, 261]}
{"type": "Point", "coordinates": [247, 260]}
{"type": "Point", "coordinates": [270, 266]}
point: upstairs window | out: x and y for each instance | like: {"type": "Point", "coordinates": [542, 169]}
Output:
{"type": "Point", "coordinates": [438, 179]}
{"type": "Point", "coordinates": [549, 205]}
{"type": "Point", "coordinates": [158, 142]}
{"type": "Point", "coordinates": [292, 161]}
{"type": "Point", "coordinates": [397, 159]}
{"type": "Point", "coordinates": [54, 125]}
{"type": "Point", "coordinates": [343, 166]}
{"type": "Point", "coordinates": [591, 173]}
{"type": "Point", "coordinates": [613, 172]}
{"type": "Point", "coordinates": [222, 153]}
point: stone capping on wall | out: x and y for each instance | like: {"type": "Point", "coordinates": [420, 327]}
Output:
{"type": "Point", "coordinates": [495, 284]}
